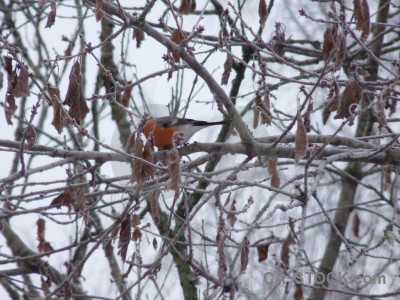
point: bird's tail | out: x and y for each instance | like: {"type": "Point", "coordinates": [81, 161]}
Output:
{"type": "Point", "coordinates": [204, 123]}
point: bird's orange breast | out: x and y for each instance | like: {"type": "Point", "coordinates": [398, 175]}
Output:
{"type": "Point", "coordinates": [162, 137]}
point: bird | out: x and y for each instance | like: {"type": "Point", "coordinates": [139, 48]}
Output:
{"type": "Point", "coordinates": [164, 130]}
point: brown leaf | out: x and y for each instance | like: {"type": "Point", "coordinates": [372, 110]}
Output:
{"type": "Point", "coordinates": [222, 268]}
{"type": "Point", "coordinates": [30, 136]}
{"type": "Point", "coordinates": [52, 15]}
{"type": "Point", "coordinates": [328, 44]}
{"type": "Point", "coordinates": [99, 11]}
{"type": "Point", "coordinates": [285, 251]}
{"type": "Point", "coordinates": [148, 155]}
{"type": "Point", "coordinates": [108, 250]}
{"type": "Point", "coordinates": [301, 140]}
{"type": "Point", "coordinates": [21, 88]}
{"type": "Point", "coordinates": [278, 39]}
{"type": "Point", "coordinates": [126, 96]}
{"type": "Point", "coordinates": [265, 114]}
{"type": "Point", "coordinates": [9, 107]}
{"type": "Point", "coordinates": [154, 206]}
{"type": "Point", "coordinates": [43, 245]}
{"type": "Point", "coordinates": [74, 98]}
{"type": "Point", "coordinates": [135, 220]}
{"type": "Point", "coordinates": [138, 35]}
{"type": "Point", "coordinates": [350, 96]}
{"type": "Point", "coordinates": [46, 283]}
{"type": "Point", "coordinates": [177, 37]}
{"type": "Point", "coordinates": [231, 216]}
{"type": "Point", "coordinates": [64, 199]}
{"type": "Point", "coordinates": [155, 243]}
{"type": "Point", "coordinates": [131, 142]}
{"type": "Point", "coordinates": [244, 255]}
{"type": "Point", "coordinates": [67, 292]}
{"type": "Point", "coordinates": [356, 226]}
{"type": "Point", "coordinates": [362, 17]}
{"type": "Point", "coordinates": [256, 116]}
{"type": "Point", "coordinates": [174, 171]}
{"type": "Point", "coordinates": [136, 235]}
{"type": "Point", "coordinates": [307, 117]}
{"type": "Point", "coordinates": [262, 251]}
{"type": "Point", "coordinates": [137, 168]}
{"type": "Point", "coordinates": [41, 228]}
{"type": "Point", "coordinates": [59, 117]}
{"type": "Point", "coordinates": [78, 195]}
{"type": "Point", "coordinates": [298, 292]}
{"type": "Point", "coordinates": [227, 69]}
{"type": "Point", "coordinates": [262, 12]}
{"type": "Point", "coordinates": [187, 6]}
{"type": "Point", "coordinates": [334, 46]}
{"type": "Point", "coordinates": [388, 176]}
{"type": "Point", "coordinates": [273, 171]}
{"type": "Point", "coordinates": [124, 236]}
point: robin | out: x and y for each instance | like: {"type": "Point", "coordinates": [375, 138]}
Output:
{"type": "Point", "coordinates": [163, 131]}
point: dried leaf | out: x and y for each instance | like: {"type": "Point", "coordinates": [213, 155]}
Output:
{"type": "Point", "coordinates": [256, 116]}
{"type": "Point", "coordinates": [273, 171]}
{"type": "Point", "coordinates": [262, 251]}
{"type": "Point", "coordinates": [99, 11]}
{"type": "Point", "coordinates": [278, 39]}
{"type": "Point", "coordinates": [307, 117]}
{"type": "Point", "coordinates": [59, 117]}
{"type": "Point", "coordinates": [301, 140]}
{"type": "Point", "coordinates": [126, 96]}
{"type": "Point", "coordinates": [52, 15]}
{"type": "Point", "coordinates": [244, 255]}
{"type": "Point", "coordinates": [148, 155]}
{"type": "Point", "coordinates": [154, 206]}
{"type": "Point", "coordinates": [174, 171]}
{"type": "Point", "coordinates": [135, 220]}
{"type": "Point", "coordinates": [43, 245]}
{"type": "Point", "coordinates": [266, 112]}
{"type": "Point", "coordinates": [177, 37]}
{"type": "Point", "coordinates": [41, 228]}
{"type": "Point", "coordinates": [137, 168]}
{"type": "Point", "coordinates": [222, 268]}
{"type": "Point", "coordinates": [30, 136]}
{"type": "Point", "coordinates": [334, 47]}
{"type": "Point", "coordinates": [131, 142]}
{"type": "Point", "coordinates": [356, 226]}
{"type": "Point", "coordinates": [388, 175]}
{"type": "Point", "coordinates": [64, 199]}
{"type": "Point", "coordinates": [227, 69]}
{"type": "Point", "coordinates": [124, 237]}
{"type": "Point", "coordinates": [328, 44]}
{"type": "Point", "coordinates": [155, 243]}
{"type": "Point", "coordinates": [298, 292]}
{"type": "Point", "coordinates": [74, 98]}
{"type": "Point", "coordinates": [46, 283]}
{"type": "Point", "coordinates": [231, 215]}
{"type": "Point", "coordinates": [350, 96]}
{"type": "Point", "coordinates": [285, 251]}
{"type": "Point", "coordinates": [262, 12]}
{"type": "Point", "coordinates": [362, 17]}
{"type": "Point", "coordinates": [21, 88]}
{"type": "Point", "coordinates": [9, 107]}
{"type": "Point", "coordinates": [187, 6]}
{"type": "Point", "coordinates": [139, 36]}
{"type": "Point", "coordinates": [108, 250]}
{"type": "Point", "coordinates": [136, 235]}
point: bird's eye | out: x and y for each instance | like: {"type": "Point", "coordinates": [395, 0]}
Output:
{"type": "Point", "coordinates": [164, 125]}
